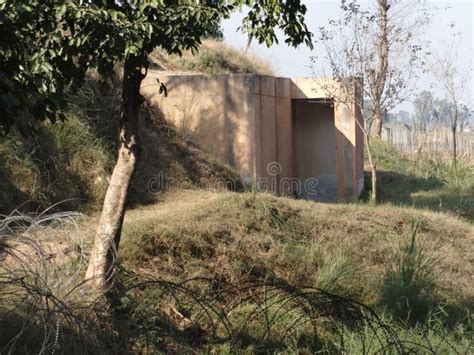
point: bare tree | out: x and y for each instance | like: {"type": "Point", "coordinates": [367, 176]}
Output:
{"type": "Point", "coordinates": [452, 78]}
{"type": "Point", "coordinates": [380, 45]}
{"type": "Point", "coordinates": [423, 117]}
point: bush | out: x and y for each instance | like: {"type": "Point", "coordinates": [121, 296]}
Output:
{"type": "Point", "coordinates": [336, 274]}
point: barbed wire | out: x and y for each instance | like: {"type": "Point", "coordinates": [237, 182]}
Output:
{"type": "Point", "coordinates": [46, 306]}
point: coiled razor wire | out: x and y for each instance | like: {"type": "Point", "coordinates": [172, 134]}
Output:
{"type": "Point", "coordinates": [46, 306]}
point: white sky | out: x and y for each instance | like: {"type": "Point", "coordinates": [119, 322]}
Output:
{"type": "Point", "coordinates": [288, 61]}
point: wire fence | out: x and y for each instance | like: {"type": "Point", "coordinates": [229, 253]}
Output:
{"type": "Point", "coordinates": [439, 140]}
{"type": "Point", "coordinates": [47, 307]}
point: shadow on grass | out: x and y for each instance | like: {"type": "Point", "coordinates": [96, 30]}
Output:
{"type": "Point", "coordinates": [72, 161]}
{"type": "Point", "coordinates": [167, 159]}
{"type": "Point", "coordinates": [10, 195]}
{"type": "Point", "coordinates": [425, 193]}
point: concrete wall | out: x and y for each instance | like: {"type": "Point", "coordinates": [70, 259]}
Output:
{"type": "Point", "coordinates": [247, 121]}
{"type": "Point", "coordinates": [217, 112]}
{"type": "Point", "coordinates": [273, 124]}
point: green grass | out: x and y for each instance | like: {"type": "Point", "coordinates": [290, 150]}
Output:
{"type": "Point", "coordinates": [347, 249]}
{"type": "Point", "coordinates": [62, 162]}
{"type": "Point", "coordinates": [431, 337]}
{"type": "Point", "coordinates": [336, 274]}
{"type": "Point", "coordinates": [408, 289]}
{"type": "Point", "coordinates": [410, 266]}
{"type": "Point", "coordinates": [425, 181]}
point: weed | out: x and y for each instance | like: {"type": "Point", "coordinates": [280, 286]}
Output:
{"type": "Point", "coordinates": [409, 285]}
{"type": "Point", "coordinates": [336, 274]}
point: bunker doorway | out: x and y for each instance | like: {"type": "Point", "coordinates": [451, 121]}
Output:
{"type": "Point", "coordinates": [314, 149]}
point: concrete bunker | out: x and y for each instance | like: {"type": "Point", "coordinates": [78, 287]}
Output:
{"type": "Point", "coordinates": [287, 136]}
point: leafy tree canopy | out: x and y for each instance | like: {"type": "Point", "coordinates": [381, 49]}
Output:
{"type": "Point", "coordinates": [48, 45]}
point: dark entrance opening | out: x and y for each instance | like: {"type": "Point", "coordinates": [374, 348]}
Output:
{"type": "Point", "coordinates": [314, 149]}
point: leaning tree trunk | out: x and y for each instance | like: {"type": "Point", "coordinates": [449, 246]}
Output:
{"type": "Point", "coordinates": [373, 169]}
{"type": "Point", "coordinates": [107, 238]}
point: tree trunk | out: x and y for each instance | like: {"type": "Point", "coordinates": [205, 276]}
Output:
{"type": "Point", "coordinates": [454, 129]}
{"type": "Point", "coordinates": [101, 262]}
{"type": "Point", "coordinates": [373, 195]}
{"type": "Point", "coordinates": [382, 68]}
{"type": "Point", "coordinates": [377, 125]}
{"type": "Point", "coordinates": [373, 169]}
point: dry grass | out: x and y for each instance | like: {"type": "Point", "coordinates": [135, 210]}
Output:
{"type": "Point", "coordinates": [70, 162]}
{"type": "Point", "coordinates": [214, 57]}
{"type": "Point", "coordinates": [238, 237]}
{"type": "Point", "coordinates": [45, 304]}
{"type": "Point", "coordinates": [198, 250]}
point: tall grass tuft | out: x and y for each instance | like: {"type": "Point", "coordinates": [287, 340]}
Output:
{"type": "Point", "coordinates": [460, 174]}
{"type": "Point", "coordinates": [336, 274]}
{"type": "Point", "coordinates": [409, 283]}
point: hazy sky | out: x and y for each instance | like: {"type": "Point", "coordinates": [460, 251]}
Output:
{"type": "Point", "coordinates": [288, 61]}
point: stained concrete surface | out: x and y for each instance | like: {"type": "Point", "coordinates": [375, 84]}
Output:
{"type": "Point", "coordinates": [247, 121]}
{"type": "Point", "coordinates": [315, 153]}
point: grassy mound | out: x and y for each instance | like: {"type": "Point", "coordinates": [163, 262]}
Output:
{"type": "Point", "coordinates": [213, 57]}
{"type": "Point", "coordinates": [384, 256]}
{"type": "Point", "coordinates": [70, 162]}
{"type": "Point", "coordinates": [222, 272]}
